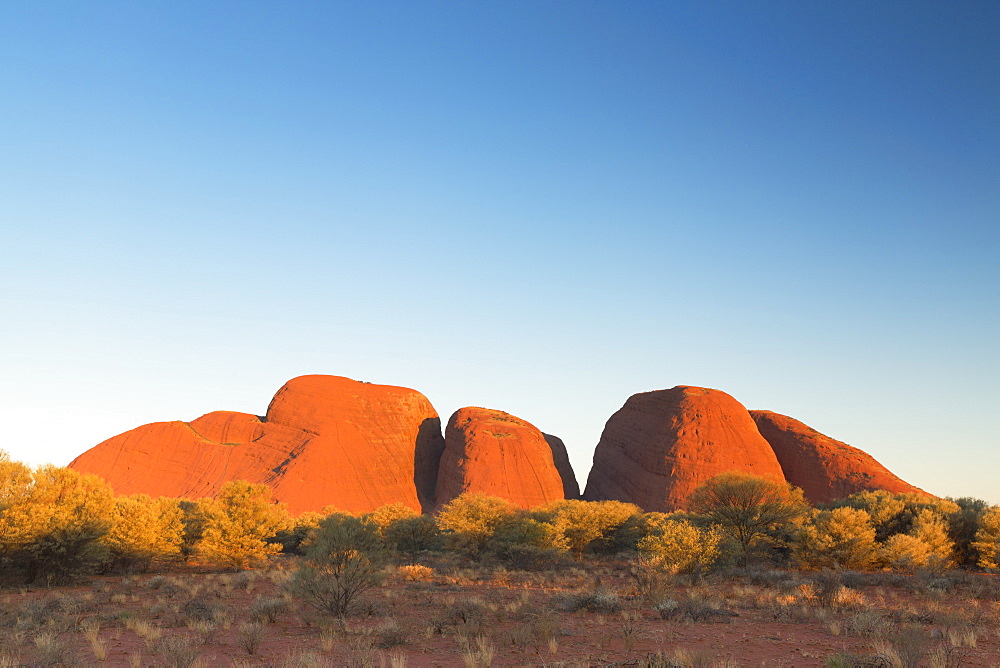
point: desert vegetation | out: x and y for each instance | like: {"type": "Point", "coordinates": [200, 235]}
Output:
{"type": "Point", "coordinates": [749, 575]}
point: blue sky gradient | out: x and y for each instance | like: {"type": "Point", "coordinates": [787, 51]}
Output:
{"type": "Point", "coordinates": [537, 207]}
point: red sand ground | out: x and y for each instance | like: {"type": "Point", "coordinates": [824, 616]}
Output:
{"type": "Point", "coordinates": [515, 613]}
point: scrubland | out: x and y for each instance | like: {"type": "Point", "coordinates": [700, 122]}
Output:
{"type": "Point", "coordinates": [749, 575]}
{"type": "Point", "coordinates": [445, 612]}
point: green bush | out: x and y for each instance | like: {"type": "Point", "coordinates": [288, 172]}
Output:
{"type": "Point", "coordinates": [584, 525]}
{"type": "Point", "coordinates": [346, 559]}
{"type": "Point", "coordinates": [838, 538]}
{"type": "Point", "coordinates": [932, 529]}
{"type": "Point", "coordinates": [292, 538]}
{"type": "Point", "coordinates": [523, 542]}
{"type": "Point", "coordinates": [412, 535]}
{"type": "Point", "coordinates": [384, 516]}
{"type": "Point", "coordinates": [143, 529]}
{"type": "Point", "coordinates": [755, 511]}
{"type": "Point", "coordinates": [52, 521]}
{"type": "Point", "coordinates": [987, 543]}
{"type": "Point", "coordinates": [193, 526]}
{"type": "Point", "coordinates": [680, 547]}
{"type": "Point", "coordinates": [894, 513]}
{"type": "Point", "coordinates": [239, 524]}
{"type": "Point", "coordinates": [963, 526]}
{"type": "Point", "coordinates": [468, 521]}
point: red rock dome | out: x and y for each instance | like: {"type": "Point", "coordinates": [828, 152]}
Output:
{"type": "Point", "coordinates": [824, 468]}
{"type": "Point", "coordinates": [662, 445]}
{"type": "Point", "coordinates": [325, 440]}
{"type": "Point", "coordinates": [495, 453]}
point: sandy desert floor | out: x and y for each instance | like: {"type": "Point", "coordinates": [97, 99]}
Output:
{"type": "Point", "coordinates": [445, 614]}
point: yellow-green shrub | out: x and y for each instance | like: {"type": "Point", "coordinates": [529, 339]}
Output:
{"type": "Point", "coordinates": [411, 535]}
{"type": "Point", "coordinates": [895, 513]}
{"type": "Point", "coordinates": [385, 515]}
{"type": "Point", "coordinates": [469, 521]}
{"type": "Point", "coordinates": [521, 540]}
{"type": "Point", "coordinates": [754, 511]}
{"type": "Point", "coordinates": [904, 552]}
{"type": "Point", "coordinates": [144, 529]}
{"type": "Point", "coordinates": [51, 522]}
{"type": "Point", "coordinates": [987, 543]}
{"type": "Point", "coordinates": [297, 532]}
{"type": "Point", "coordinates": [677, 546]}
{"type": "Point", "coordinates": [838, 538]}
{"type": "Point", "coordinates": [589, 524]}
{"type": "Point", "coordinates": [239, 523]}
{"type": "Point", "coordinates": [927, 545]}
{"type": "Point", "coordinates": [345, 560]}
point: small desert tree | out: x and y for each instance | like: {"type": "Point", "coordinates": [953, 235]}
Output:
{"type": "Point", "coordinates": [16, 525]}
{"type": "Point", "coordinates": [385, 515]}
{"type": "Point", "coordinates": [412, 535]}
{"type": "Point", "coordinates": [677, 546]}
{"type": "Point", "coordinates": [893, 514]}
{"type": "Point", "coordinates": [987, 542]}
{"type": "Point", "coordinates": [193, 523]}
{"type": "Point", "coordinates": [238, 524]}
{"type": "Point", "coordinates": [963, 527]}
{"type": "Point", "coordinates": [144, 529]}
{"type": "Point", "coordinates": [926, 545]}
{"type": "Point", "coordinates": [838, 538]}
{"type": "Point", "coordinates": [468, 521]}
{"type": "Point", "coordinates": [932, 529]}
{"type": "Point", "coordinates": [297, 532]}
{"type": "Point", "coordinates": [749, 508]}
{"type": "Point", "coordinates": [346, 559]}
{"type": "Point", "coordinates": [51, 522]}
{"type": "Point", "coordinates": [586, 524]}
{"type": "Point", "coordinates": [524, 540]}
{"type": "Point", "coordinates": [903, 552]}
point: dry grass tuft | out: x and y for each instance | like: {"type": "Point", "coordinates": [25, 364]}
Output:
{"type": "Point", "coordinates": [51, 648]}
{"type": "Point", "coordinates": [416, 572]}
{"type": "Point", "coordinates": [478, 653]}
{"type": "Point", "coordinates": [251, 636]}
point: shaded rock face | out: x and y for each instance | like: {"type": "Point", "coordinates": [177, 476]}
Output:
{"type": "Point", "coordinates": [571, 488]}
{"type": "Point", "coordinates": [825, 469]}
{"type": "Point", "coordinates": [495, 453]}
{"type": "Point", "coordinates": [660, 446]}
{"type": "Point", "coordinates": [325, 440]}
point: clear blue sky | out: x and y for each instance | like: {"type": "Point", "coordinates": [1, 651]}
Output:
{"type": "Point", "coordinates": [541, 207]}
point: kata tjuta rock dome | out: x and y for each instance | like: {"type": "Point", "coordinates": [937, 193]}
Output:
{"type": "Point", "coordinates": [660, 446]}
{"type": "Point", "coordinates": [333, 441]}
{"type": "Point", "coordinates": [824, 468]}
{"type": "Point", "coordinates": [495, 453]}
{"type": "Point", "coordinates": [325, 440]}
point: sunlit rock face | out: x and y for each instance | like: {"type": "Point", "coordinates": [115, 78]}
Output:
{"type": "Point", "coordinates": [495, 453]}
{"type": "Point", "coordinates": [332, 441]}
{"type": "Point", "coordinates": [660, 446]}
{"type": "Point", "coordinates": [325, 440]}
{"type": "Point", "coordinates": [825, 469]}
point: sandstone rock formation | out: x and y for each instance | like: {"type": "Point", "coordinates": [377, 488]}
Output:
{"type": "Point", "coordinates": [824, 468]}
{"type": "Point", "coordinates": [662, 445]}
{"type": "Point", "coordinates": [332, 441]}
{"type": "Point", "coordinates": [571, 488]}
{"type": "Point", "coordinates": [325, 440]}
{"type": "Point", "coordinates": [495, 453]}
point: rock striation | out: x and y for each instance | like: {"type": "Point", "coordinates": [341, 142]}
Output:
{"type": "Point", "coordinates": [325, 440]}
{"type": "Point", "coordinates": [825, 469]}
{"type": "Point", "coordinates": [660, 446]}
{"type": "Point", "coordinates": [495, 453]}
